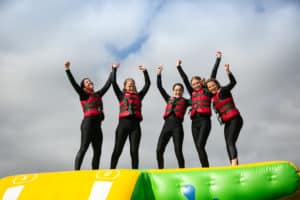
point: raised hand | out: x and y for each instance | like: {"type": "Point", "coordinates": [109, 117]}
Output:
{"type": "Point", "coordinates": [67, 65]}
{"type": "Point", "coordinates": [116, 65]}
{"type": "Point", "coordinates": [142, 68]}
{"type": "Point", "coordinates": [159, 69]}
{"type": "Point", "coordinates": [178, 62]}
{"type": "Point", "coordinates": [219, 54]}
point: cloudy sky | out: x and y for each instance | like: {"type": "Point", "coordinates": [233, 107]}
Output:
{"type": "Point", "coordinates": [41, 114]}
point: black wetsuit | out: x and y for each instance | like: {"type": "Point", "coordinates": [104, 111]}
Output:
{"type": "Point", "coordinates": [171, 128]}
{"type": "Point", "coordinates": [201, 123]}
{"type": "Point", "coordinates": [91, 131]}
{"type": "Point", "coordinates": [233, 126]}
{"type": "Point", "coordinates": [128, 126]}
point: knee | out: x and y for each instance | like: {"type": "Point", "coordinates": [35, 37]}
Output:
{"type": "Point", "coordinates": [97, 152]}
{"type": "Point", "coordinates": [178, 152]}
{"type": "Point", "coordinates": [83, 149]}
{"type": "Point", "coordinates": [230, 144]}
{"type": "Point", "coordinates": [160, 151]}
{"type": "Point", "coordinates": [116, 152]}
{"type": "Point", "coordinates": [201, 147]}
{"type": "Point", "coordinates": [134, 152]}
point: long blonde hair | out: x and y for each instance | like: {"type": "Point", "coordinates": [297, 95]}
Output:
{"type": "Point", "coordinates": [126, 81]}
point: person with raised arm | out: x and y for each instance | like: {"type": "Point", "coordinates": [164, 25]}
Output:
{"type": "Point", "coordinates": [228, 113]}
{"type": "Point", "coordinates": [200, 112]}
{"type": "Point", "coordinates": [173, 116]}
{"type": "Point", "coordinates": [130, 116]}
{"type": "Point", "coordinates": [93, 115]}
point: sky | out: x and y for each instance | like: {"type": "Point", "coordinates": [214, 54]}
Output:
{"type": "Point", "coordinates": [41, 113]}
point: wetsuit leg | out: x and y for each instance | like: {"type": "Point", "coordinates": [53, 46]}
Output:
{"type": "Point", "coordinates": [163, 140]}
{"type": "Point", "coordinates": [178, 141]}
{"type": "Point", "coordinates": [86, 137]}
{"type": "Point", "coordinates": [97, 145]}
{"type": "Point", "coordinates": [200, 129]}
{"type": "Point", "coordinates": [134, 140]}
{"type": "Point", "coordinates": [232, 130]}
{"type": "Point", "coordinates": [121, 135]}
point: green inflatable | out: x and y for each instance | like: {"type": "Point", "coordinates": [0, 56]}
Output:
{"type": "Point", "coordinates": [262, 181]}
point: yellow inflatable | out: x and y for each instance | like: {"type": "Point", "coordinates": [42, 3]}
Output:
{"type": "Point", "coordinates": [72, 185]}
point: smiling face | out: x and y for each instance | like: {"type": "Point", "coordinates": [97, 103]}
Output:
{"type": "Point", "coordinates": [196, 83]}
{"type": "Point", "coordinates": [177, 90]}
{"type": "Point", "coordinates": [88, 84]}
{"type": "Point", "coordinates": [212, 86]}
{"type": "Point", "coordinates": [129, 86]}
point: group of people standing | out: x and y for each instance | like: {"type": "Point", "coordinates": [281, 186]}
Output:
{"type": "Point", "coordinates": [202, 92]}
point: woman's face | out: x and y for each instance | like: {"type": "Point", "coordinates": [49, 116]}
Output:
{"type": "Point", "coordinates": [212, 87]}
{"type": "Point", "coordinates": [196, 84]}
{"type": "Point", "coordinates": [88, 84]}
{"type": "Point", "coordinates": [130, 86]}
{"type": "Point", "coordinates": [178, 91]}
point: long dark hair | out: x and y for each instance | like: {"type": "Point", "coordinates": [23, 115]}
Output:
{"type": "Point", "coordinates": [213, 80]}
{"type": "Point", "coordinates": [125, 82]}
{"type": "Point", "coordinates": [82, 82]}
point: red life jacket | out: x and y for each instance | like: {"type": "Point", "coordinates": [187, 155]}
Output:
{"type": "Point", "coordinates": [131, 105]}
{"type": "Point", "coordinates": [179, 108]}
{"type": "Point", "coordinates": [225, 107]}
{"type": "Point", "coordinates": [92, 106]}
{"type": "Point", "coordinates": [200, 103]}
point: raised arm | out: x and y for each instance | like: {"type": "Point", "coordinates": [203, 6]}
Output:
{"type": "Point", "coordinates": [106, 86]}
{"type": "Point", "coordinates": [232, 80]}
{"type": "Point", "coordinates": [216, 66]}
{"type": "Point", "coordinates": [146, 87]}
{"type": "Point", "coordinates": [159, 84]}
{"type": "Point", "coordinates": [184, 77]}
{"type": "Point", "coordinates": [117, 89]}
{"type": "Point", "coordinates": [74, 84]}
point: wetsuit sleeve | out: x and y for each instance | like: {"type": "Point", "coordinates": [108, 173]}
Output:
{"type": "Point", "coordinates": [146, 87]}
{"type": "Point", "coordinates": [185, 80]}
{"type": "Point", "coordinates": [106, 86]}
{"type": "Point", "coordinates": [188, 102]}
{"type": "Point", "coordinates": [161, 89]}
{"type": "Point", "coordinates": [231, 84]}
{"type": "Point", "coordinates": [117, 89]}
{"type": "Point", "coordinates": [74, 84]}
{"type": "Point", "coordinates": [215, 68]}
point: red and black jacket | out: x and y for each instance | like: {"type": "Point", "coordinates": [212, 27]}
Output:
{"type": "Point", "coordinates": [200, 103]}
{"type": "Point", "coordinates": [92, 106]}
{"type": "Point", "coordinates": [176, 105]}
{"type": "Point", "coordinates": [91, 102]}
{"type": "Point", "coordinates": [225, 108]}
{"type": "Point", "coordinates": [131, 105]}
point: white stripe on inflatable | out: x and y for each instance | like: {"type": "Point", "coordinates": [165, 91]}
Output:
{"type": "Point", "coordinates": [100, 190]}
{"type": "Point", "coordinates": [13, 193]}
